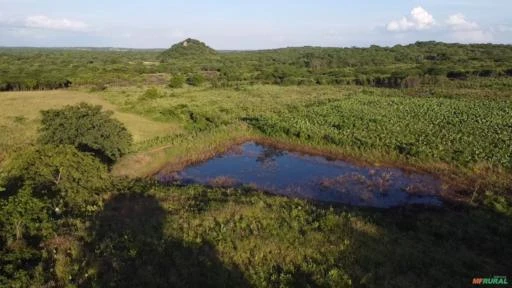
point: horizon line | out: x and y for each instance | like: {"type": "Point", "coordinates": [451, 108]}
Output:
{"type": "Point", "coordinates": [249, 50]}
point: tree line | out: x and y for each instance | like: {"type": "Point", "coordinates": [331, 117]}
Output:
{"type": "Point", "coordinates": [391, 67]}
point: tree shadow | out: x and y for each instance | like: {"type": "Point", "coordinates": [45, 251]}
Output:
{"type": "Point", "coordinates": [421, 246]}
{"type": "Point", "coordinates": [98, 153]}
{"type": "Point", "coordinates": [410, 246]}
{"type": "Point", "coordinates": [11, 186]}
{"type": "Point", "coordinates": [129, 249]}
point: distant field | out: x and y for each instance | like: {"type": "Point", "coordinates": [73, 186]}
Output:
{"type": "Point", "coordinates": [20, 116]}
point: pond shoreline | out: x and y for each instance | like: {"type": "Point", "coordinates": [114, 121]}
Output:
{"type": "Point", "coordinates": [307, 176]}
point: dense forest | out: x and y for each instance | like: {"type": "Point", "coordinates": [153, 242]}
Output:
{"type": "Point", "coordinates": [407, 66]}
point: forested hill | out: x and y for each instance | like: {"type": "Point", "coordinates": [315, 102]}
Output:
{"type": "Point", "coordinates": [394, 67]}
{"type": "Point", "coordinates": [187, 48]}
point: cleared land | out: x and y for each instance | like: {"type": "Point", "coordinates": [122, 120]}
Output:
{"type": "Point", "coordinates": [20, 116]}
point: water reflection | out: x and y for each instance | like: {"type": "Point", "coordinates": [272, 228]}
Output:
{"type": "Point", "coordinates": [311, 177]}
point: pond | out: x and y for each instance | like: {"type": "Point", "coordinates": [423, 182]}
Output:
{"type": "Point", "coordinates": [311, 177]}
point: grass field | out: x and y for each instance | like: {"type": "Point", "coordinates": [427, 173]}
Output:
{"type": "Point", "coordinates": [463, 139]}
{"type": "Point", "coordinates": [20, 116]}
{"type": "Point", "coordinates": [245, 237]}
{"type": "Point", "coordinates": [460, 131]}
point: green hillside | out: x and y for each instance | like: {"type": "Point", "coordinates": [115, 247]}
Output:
{"type": "Point", "coordinates": [187, 48]}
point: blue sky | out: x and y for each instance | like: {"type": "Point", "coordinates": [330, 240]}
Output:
{"type": "Point", "coordinates": [252, 24]}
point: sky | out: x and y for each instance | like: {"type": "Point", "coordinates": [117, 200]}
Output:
{"type": "Point", "coordinates": [261, 24]}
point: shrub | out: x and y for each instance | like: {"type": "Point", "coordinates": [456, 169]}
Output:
{"type": "Point", "coordinates": [48, 191]}
{"type": "Point", "coordinates": [70, 181]}
{"type": "Point", "coordinates": [88, 129]}
{"type": "Point", "coordinates": [177, 81]}
{"type": "Point", "coordinates": [458, 75]}
{"type": "Point", "coordinates": [411, 82]}
{"type": "Point", "coordinates": [151, 93]}
{"type": "Point", "coordinates": [24, 226]}
{"type": "Point", "coordinates": [23, 216]}
{"type": "Point", "coordinates": [195, 79]}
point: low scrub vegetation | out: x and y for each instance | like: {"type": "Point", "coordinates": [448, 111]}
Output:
{"type": "Point", "coordinates": [410, 66]}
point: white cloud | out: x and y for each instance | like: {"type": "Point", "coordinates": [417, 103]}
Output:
{"type": "Point", "coordinates": [458, 22]}
{"type": "Point", "coordinates": [455, 28]}
{"type": "Point", "coordinates": [44, 22]}
{"type": "Point", "coordinates": [419, 19]}
{"type": "Point", "coordinates": [464, 30]}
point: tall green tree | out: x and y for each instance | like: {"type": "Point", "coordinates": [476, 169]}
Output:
{"type": "Point", "coordinates": [88, 128]}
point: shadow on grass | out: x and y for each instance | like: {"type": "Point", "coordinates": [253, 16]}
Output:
{"type": "Point", "coordinates": [432, 247]}
{"type": "Point", "coordinates": [411, 246]}
{"type": "Point", "coordinates": [131, 250]}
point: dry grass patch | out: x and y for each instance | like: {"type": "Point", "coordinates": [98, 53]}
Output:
{"type": "Point", "coordinates": [20, 116]}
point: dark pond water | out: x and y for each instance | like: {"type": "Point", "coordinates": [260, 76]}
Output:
{"type": "Point", "coordinates": [311, 177]}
